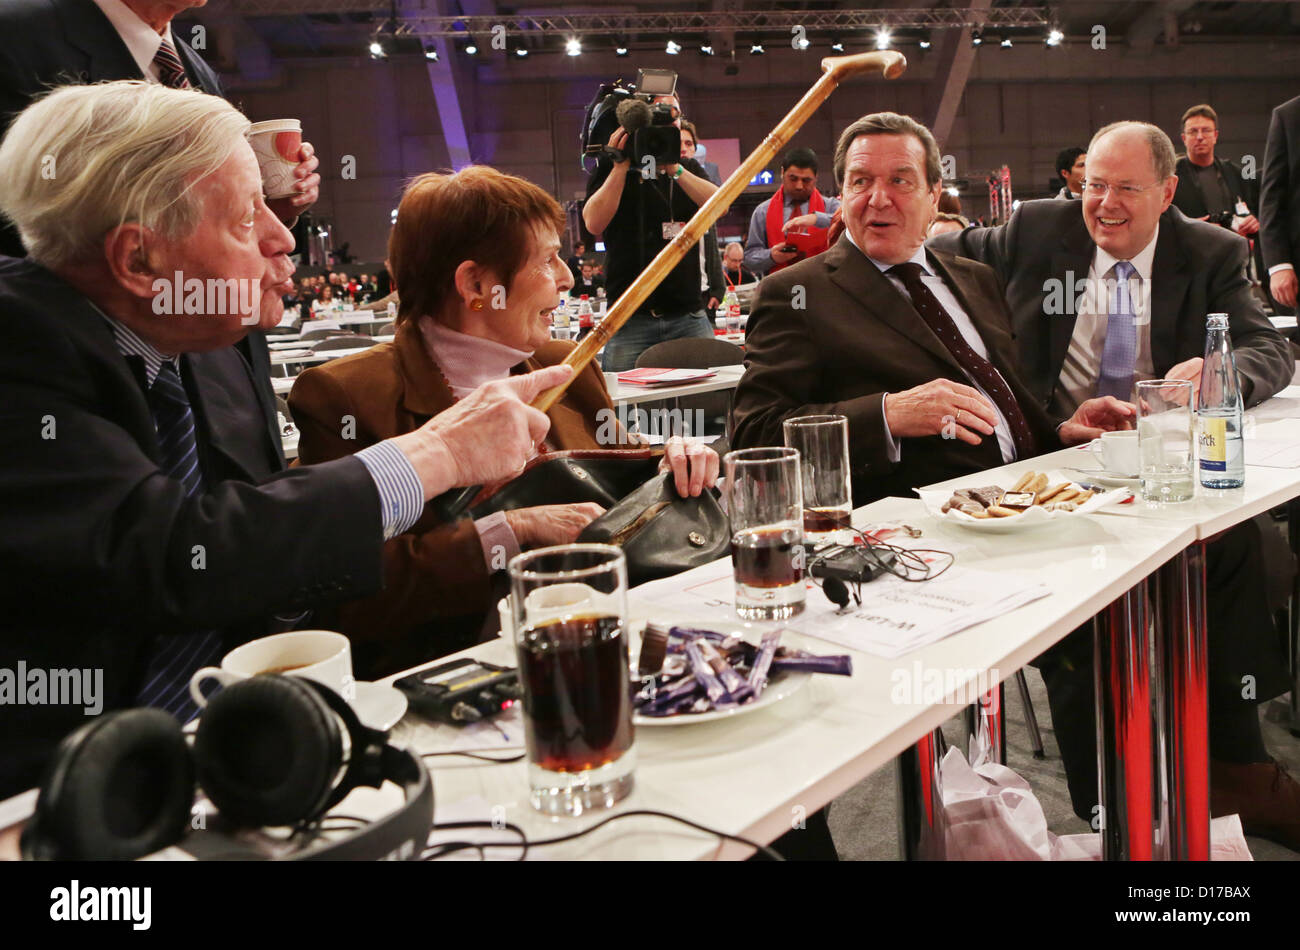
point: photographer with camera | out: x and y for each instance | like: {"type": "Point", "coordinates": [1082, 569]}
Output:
{"type": "Point", "coordinates": [639, 197]}
{"type": "Point", "coordinates": [1213, 189]}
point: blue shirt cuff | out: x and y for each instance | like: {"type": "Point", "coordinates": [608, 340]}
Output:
{"type": "Point", "coordinates": [401, 495]}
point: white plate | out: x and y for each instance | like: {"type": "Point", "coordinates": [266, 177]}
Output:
{"type": "Point", "coordinates": [934, 498]}
{"type": "Point", "coordinates": [780, 686]}
{"type": "Point", "coordinates": [379, 705]}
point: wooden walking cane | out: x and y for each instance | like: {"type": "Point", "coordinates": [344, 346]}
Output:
{"type": "Point", "coordinates": [835, 69]}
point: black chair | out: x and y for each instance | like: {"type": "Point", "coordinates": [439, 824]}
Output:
{"type": "Point", "coordinates": [320, 333]}
{"type": "Point", "coordinates": [698, 353]}
{"type": "Point", "coordinates": [347, 342]}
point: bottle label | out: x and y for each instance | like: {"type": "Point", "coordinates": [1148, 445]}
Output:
{"type": "Point", "coordinates": [1213, 443]}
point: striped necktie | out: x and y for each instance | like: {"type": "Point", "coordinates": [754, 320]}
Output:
{"type": "Point", "coordinates": [173, 659]}
{"type": "Point", "coordinates": [977, 367]}
{"type": "Point", "coordinates": [1119, 355]}
{"type": "Point", "coordinates": [171, 71]}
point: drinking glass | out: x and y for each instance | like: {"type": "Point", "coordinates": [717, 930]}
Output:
{"type": "Point", "coordinates": [823, 444]}
{"type": "Point", "coordinates": [569, 606]}
{"type": "Point", "coordinates": [1165, 440]}
{"type": "Point", "coordinates": [765, 505]}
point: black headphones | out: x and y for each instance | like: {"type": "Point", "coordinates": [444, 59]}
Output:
{"type": "Point", "coordinates": [270, 750]}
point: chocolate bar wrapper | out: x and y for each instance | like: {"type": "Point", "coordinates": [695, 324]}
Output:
{"type": "Point", "coordinates": [763, 661]}
{"type": "Point", "coordinates": [738, 690]}
{"type": "Point", "coordinates": [705, 675]}
{"type": "Point", "coordinates": [680, 636]}
{"type": "Point", "coordinates": [837, 665]}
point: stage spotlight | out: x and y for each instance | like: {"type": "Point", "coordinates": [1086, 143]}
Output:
{"type": "Point", "coordinates": [620, 50]}
{"type": "Point", "coordinates": [672, 49]}
{"type": "Point", "coordinates": [925, 44]}
{"type": "Point", "coordinates": [377, 50]}
{"type": "Point", "coordinates": [976, 37]}
{"type": "Point", "coordinates": [757, 50]}
{"type": "Point", "coordinates": [521, 52]}
{"type": "Point", "coordinates": [802, 42]}
{"type": "Point", "coordinates": [1006, 42]}
{"type": "Point", "coordinates": [471, 49]}
{"type": "Point", "coordinates": [573, 47]}
{"type": "Point", "coordinates": [1054, 38]}
{"type": "Point", "coordinates": [837, 46]}
{"type": "Point", "coordinates": [952, 190]}
{"type": "Point", "coordinates": [431, 54]}
{"type": "Point", "coordinates": [882, 38]}
{"type": "Point", "coordinates": [706, 50]}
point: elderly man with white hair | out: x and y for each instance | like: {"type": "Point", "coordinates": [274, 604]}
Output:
{"type": "Point", "coordinates": [144, 525]}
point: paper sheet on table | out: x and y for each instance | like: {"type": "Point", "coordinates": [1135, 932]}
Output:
{"type": "Point", "coordinates": [1272, 453]}
{"type": "Point", "coordinates": [895, 616]}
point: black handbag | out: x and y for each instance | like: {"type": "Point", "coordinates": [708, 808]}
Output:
{"type": "Point", "coordinates": [660, 532]}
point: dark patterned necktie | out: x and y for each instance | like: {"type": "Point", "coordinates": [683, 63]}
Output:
{"type": "Point", "coordinates": [977, 367]}
{"type": "Point", "coordinates": [171, 71]}
{"type": "Point", "coordinates": [173, 659]}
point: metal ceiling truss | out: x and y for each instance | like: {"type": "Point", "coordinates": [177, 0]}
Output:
{"type": "Point", "coordinates": [743, 21]}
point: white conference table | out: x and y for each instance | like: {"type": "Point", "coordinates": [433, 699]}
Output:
{"type": "Point", "coordinates": [748, 775]}
{"type": "Point", "coordinates": [728, 377]}
{"type": "Point", "coordinates": [298, 357]}
{"type": "Point", "coordinates": [1176, 682]}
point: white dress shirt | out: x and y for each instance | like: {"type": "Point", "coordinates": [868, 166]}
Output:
{"type": "Point", "coordinates": [1082, 366]}
{"type": "Point", "coordinates": [141, 40]}
{"type": "Point", "coordinates": [965, 326]}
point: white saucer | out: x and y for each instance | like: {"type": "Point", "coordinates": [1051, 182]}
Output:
{"type": "Point", "coordinates": [378, 705]}
{"type": "Point", "coordinates": [1109, 480]}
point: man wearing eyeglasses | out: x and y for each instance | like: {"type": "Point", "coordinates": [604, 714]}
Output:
{"type": "Point", "coordinates": [1213, 189]}
{"type": "Point", "coordinates": [1059, 263]}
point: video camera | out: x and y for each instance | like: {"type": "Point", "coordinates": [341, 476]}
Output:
{"type": "Point", "coordinates": [649, 124]}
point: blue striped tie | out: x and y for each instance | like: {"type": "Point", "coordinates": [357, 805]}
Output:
{"type": "Point", "coordinates": [1119, 355]}
{"type": "Point", "coordinates": [173, 659]}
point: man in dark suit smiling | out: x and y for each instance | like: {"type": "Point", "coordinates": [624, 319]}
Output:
{"type": "Point", "coordinates": [918, 355]}
{"type": "Point", "coordinates": [1178, 270]}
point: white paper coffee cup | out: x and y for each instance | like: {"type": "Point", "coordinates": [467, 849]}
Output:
{"type": "Point", "coordinates": [276, 144]}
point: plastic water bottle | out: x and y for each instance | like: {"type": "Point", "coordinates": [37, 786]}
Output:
{"type": "Point", "coordinates": [560, 321]}
{"type": "Point", "coordinates": [392, 311]}
{"type": "Point", "coordinates": [586, 321]}
{"type": "Point", "coordinates": [731, 301]}
{"type": "Point", "coordinates": [1219, 410]}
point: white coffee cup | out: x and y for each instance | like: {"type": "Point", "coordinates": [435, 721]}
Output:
{"type": "Point", "coordinates": [320, 655]}
{"type": "Point", "coordinates": [1118, 452]}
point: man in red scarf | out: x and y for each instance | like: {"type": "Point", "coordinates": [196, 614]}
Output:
{"type": "Point", "coordinates": [791, 225]}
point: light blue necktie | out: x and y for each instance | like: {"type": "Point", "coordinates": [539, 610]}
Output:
{"type": "Point", "coordinates": [1120, 352]}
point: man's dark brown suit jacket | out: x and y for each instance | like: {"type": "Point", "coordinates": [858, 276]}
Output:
{"type": "Point", "coordinates": [857, 337]}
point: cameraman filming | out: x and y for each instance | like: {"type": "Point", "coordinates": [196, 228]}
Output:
{"type": "Point", "coordinates": [638, 212]}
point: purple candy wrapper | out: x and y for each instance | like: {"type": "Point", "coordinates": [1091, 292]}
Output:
{"type": "Point", "coordinates": [766, 652]}
{"type": "Point", "coordinates": [837, 665]}
{"type": "Point", "coordinates": [736, 686]}
{"type": "Point", "coordinates": [704, 673]}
